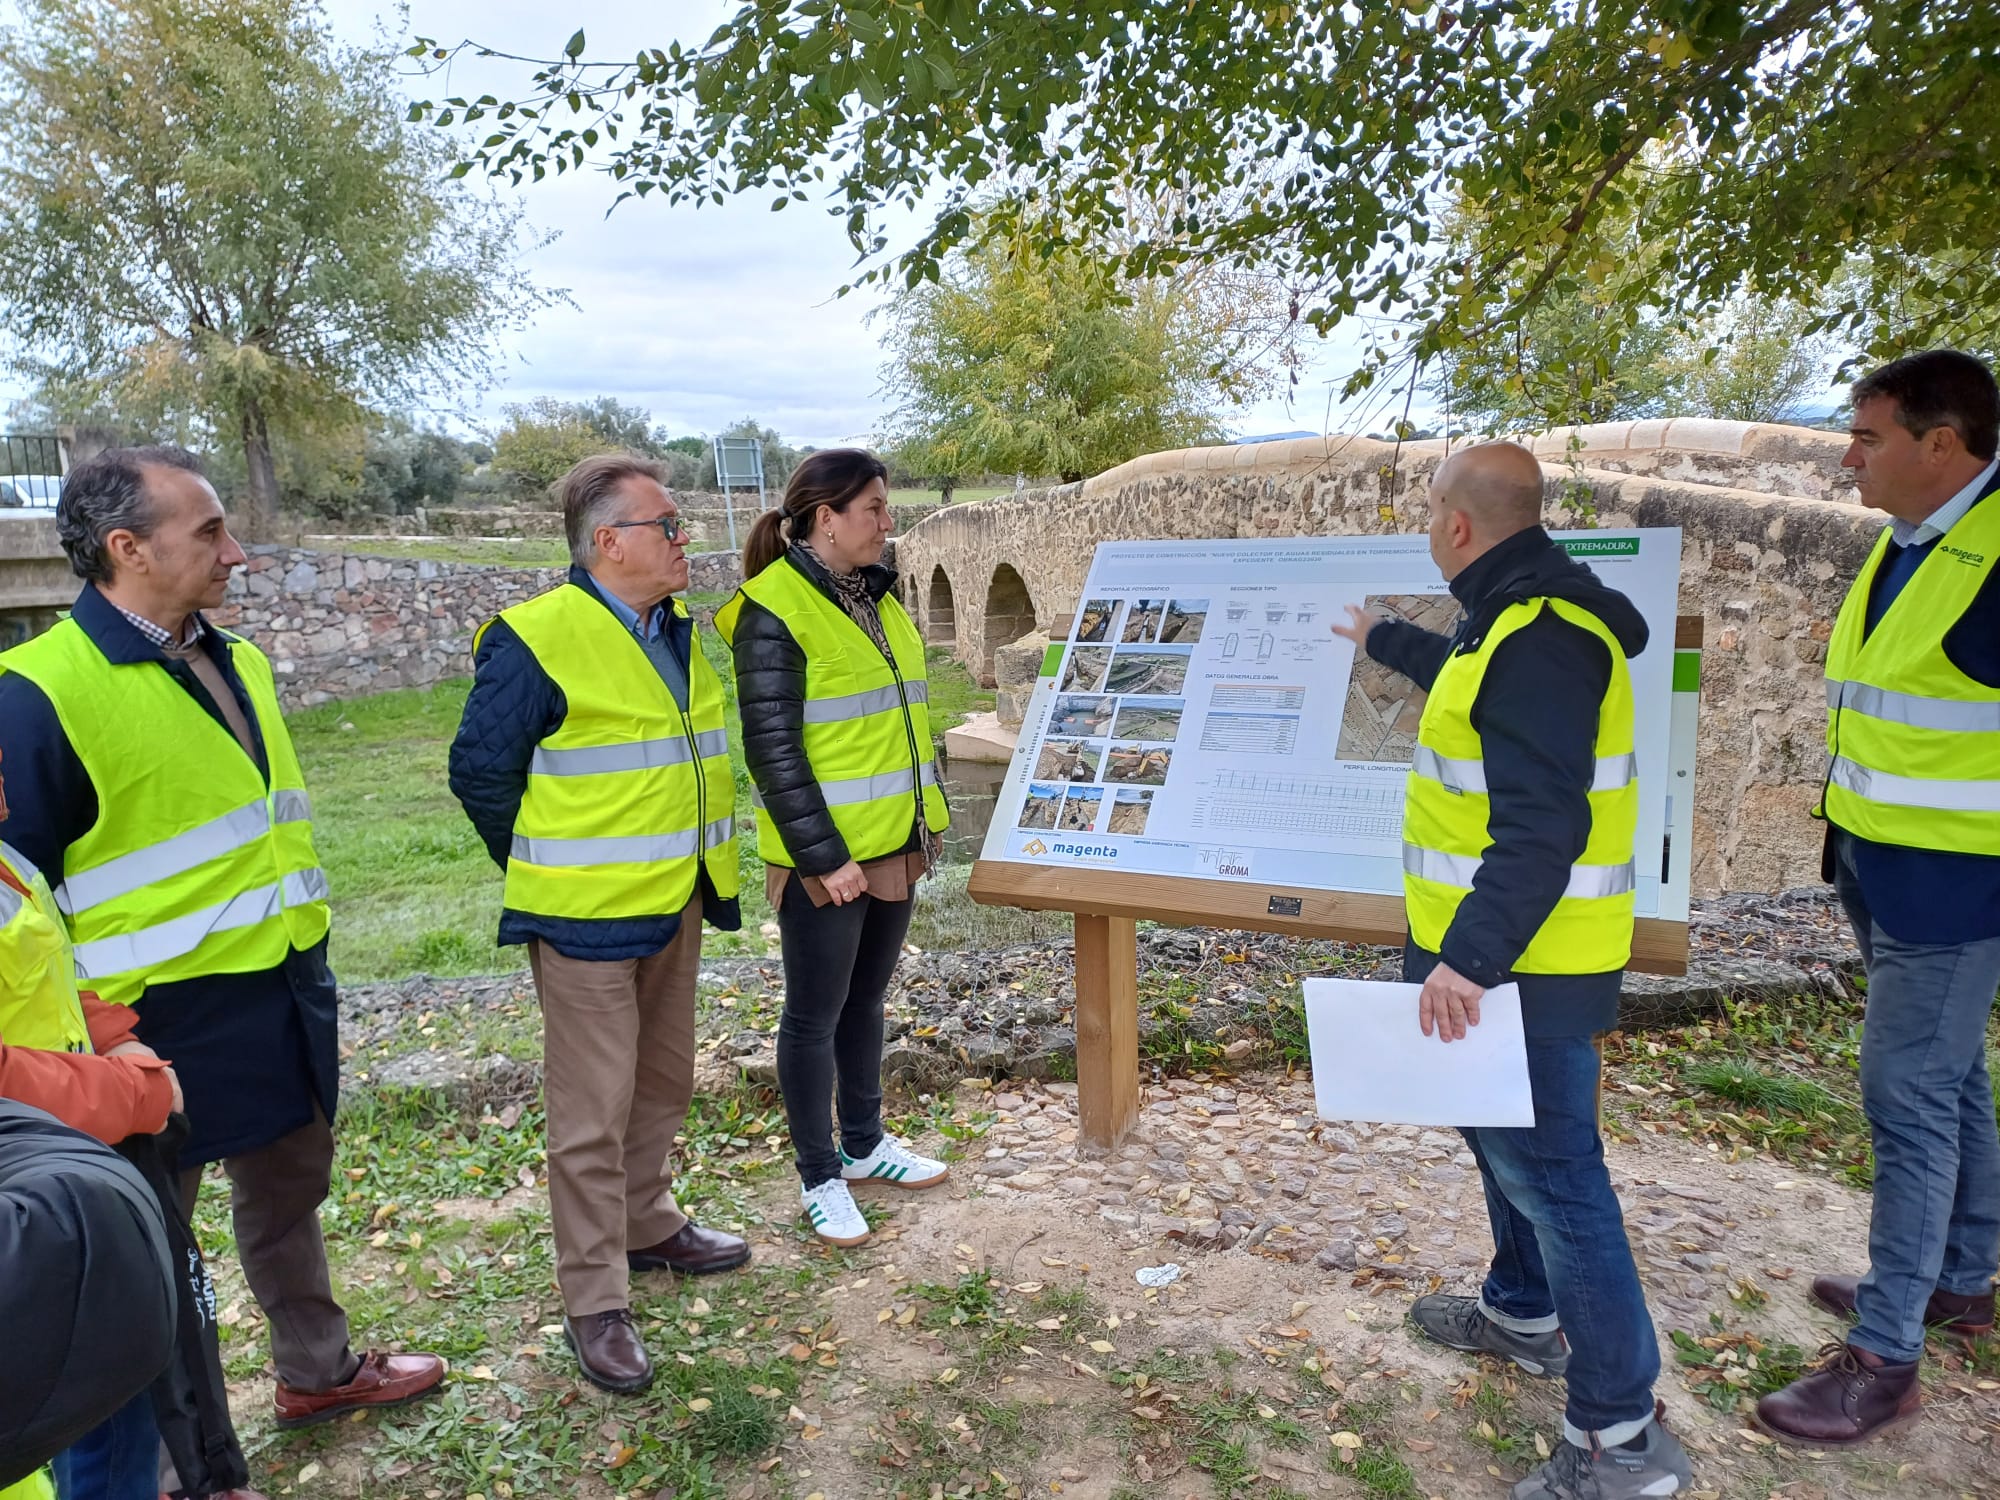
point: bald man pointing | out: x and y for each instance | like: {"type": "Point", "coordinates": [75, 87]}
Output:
{"type": "Point", "coordinates": [1517, 860]}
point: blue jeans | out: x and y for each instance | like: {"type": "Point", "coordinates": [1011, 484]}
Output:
{"type": "Point", "coordinates": [1560, 1257]}
{"type": "Point", "coordinates": [119, 1459]}
{"type": "Point", "coordinates": [1929, 1101]}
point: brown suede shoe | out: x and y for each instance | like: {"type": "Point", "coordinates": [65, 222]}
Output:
{"type": "Point", "coordinates": [692, 1251]}
{"type": "Point", "coordinates": [1853, 1398]}
{"type": "Point", "coordinates": [382, 1380]}
{"type": "Point", "coordinates": [608, 1348]}
{"type": "Point", "coordinates": [1965, 1318]}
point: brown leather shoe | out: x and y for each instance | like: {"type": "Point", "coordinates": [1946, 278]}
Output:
{"type": "Point", "coordinates": [610, 1351]}
{"type": "Point", "coordinates": [1965, 1318]}
{"type": "Point", "coordinates": [692, 1251]}
{"type": "Point", "coordinates": [382, 1380]}
{"type": "Point", "coordinates": [1853, 1398]}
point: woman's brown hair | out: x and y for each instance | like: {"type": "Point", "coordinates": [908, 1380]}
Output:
{"type": "Point", "coordinates": [831, 477]}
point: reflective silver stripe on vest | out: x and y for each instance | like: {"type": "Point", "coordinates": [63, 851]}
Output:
{"type": "Point", "coordinates": [861, 705]}
{"type": "Point", "coordinates": [11, 902]}
{"type": "Point", "coordinates": [23, 866]}
{"type": "Point", "coordinates": [293, 807]}
{"type": "Point", "coordinates": [1612, 773]}
{"type": "Point", "coordinates": [1952, 715]}
{"type": "Point", "coordinates": [629, 849]}
{"type": "Point", "coordinates": [719, 832]}
{"type": "Point", "coordinates": [153, 947]}
{"type": "Point", "coordinates": [637, 755]}
{"type": "Point", "coordinates": [865, 788]}
{"type": "Point", "coordinates": [84, 889]}
{"type": "Point", "coordinates": [1915, 791]}
{"type": "Point", "coordinates": [1585, 881]}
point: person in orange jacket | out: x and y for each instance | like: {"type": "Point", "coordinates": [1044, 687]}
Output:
{"type": "Point", "coordinates": [62, 1050]}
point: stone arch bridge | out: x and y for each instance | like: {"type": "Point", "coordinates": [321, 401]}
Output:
{"type": "Point", "coordinates": [1771, 536]}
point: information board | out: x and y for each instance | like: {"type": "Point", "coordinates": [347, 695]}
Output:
{"type": "Point", "coordinates": [1202, 720]}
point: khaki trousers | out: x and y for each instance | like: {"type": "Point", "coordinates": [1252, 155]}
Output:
{"type": "Point", "coordinates": [617, 1077]}
{"type": "Point", "coordinates": [274, 1199]}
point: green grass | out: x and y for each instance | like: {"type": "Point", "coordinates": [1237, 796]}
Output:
{"type": "Point", "coordinates": [1728, 1369]}
{"type": "Point", "coordinates": [964, 494]}
{"type": "Point", "coordinates": [1741, 1081]}
{"type": "Point", "coordinates": [511, 552]}
{"type": "Point", "coordinates": [414, 890]}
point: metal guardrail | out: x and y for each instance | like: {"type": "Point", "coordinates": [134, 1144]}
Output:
{"type": "Point", "coordinates": [31, 470]}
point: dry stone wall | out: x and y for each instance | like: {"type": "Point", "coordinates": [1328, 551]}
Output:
{"type": "Point", "coordinates": [339, 625]}
{"type": "Point", "coordinates": [1765, 567]}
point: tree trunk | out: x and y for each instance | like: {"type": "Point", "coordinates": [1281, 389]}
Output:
{"type": "Point", "coordinates": [258, 515]}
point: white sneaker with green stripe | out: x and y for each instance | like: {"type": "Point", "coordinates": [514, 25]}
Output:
{"type": "Point", "coordinates": [892, 1161]}
{"type": "Point", "coordinates": [835, 1218]}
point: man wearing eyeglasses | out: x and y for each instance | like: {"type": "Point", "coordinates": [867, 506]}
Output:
{"type": "Point", "coordinates": [592, 758]}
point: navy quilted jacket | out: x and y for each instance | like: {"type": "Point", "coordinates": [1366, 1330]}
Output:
{"type": "Point", "coordinates": [515, 705]}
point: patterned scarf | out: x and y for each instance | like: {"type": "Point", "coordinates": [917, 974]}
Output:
{"type": "Point", "coordinates": [851, 589]}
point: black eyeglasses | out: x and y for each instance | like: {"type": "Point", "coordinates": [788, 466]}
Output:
{"type": "Point", "coordinates": [670, 527]}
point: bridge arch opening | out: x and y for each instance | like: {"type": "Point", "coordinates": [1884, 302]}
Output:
{"type": "Point", "coordinates": [940, 620]}
{"type": "Point", "coordinates": [1010, 614]}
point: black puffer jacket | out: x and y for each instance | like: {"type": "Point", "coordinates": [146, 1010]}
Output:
{"type": "Point", "coordinates": [771, 695]}
{"type": "Point", "coordinates": [1536, 714]}
{"type": "Point", "coordinates": [87, 1294]}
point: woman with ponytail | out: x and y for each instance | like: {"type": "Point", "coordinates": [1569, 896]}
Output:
{"type": "Point", "coordinates": [830, 681]}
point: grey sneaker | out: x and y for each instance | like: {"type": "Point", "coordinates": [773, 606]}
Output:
{"type": "Point", "coordinates": [1659, 1468]}
{"type": "Point", "coordinates": [1458, 1323]}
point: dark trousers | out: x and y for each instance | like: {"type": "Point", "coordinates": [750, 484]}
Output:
{"type": "Point", "coordinates": [838, 963]}
{"type": "Point", "coordinates": [1560, 1257]}
{"type": "Point", "coordinates": [274, 1198]}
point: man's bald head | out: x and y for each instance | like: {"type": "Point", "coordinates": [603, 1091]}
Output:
{"type": "Point", "coordinates": [1481, 496]}
{"type": "Point", "coordinates": [1499, 485]}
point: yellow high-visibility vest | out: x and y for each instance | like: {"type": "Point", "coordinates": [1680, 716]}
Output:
{"type": "Point", "coordinates": [194, 866]}
{"type": "Point", "coordinates": [867, 725]}
{"type": "Point", "coordinates": [631, 794]}
{"type": "Point", "coordinates": [1914, 743]}
{"type": "Point", "coordinates": [38, 1001]}
{"type": "Point", "coordinates": [1446, 809]}
{"type": "Point", "coordinates": [40, 1485]}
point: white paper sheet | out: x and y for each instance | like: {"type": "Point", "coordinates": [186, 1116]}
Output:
{"type": "Point", "coordinates": [1372, 1062]}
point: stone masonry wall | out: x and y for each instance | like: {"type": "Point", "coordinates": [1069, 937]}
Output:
{"type": "Point", "coordinates": [1766, 570]}
{"type": "Point", "coordinates": [338, 625]}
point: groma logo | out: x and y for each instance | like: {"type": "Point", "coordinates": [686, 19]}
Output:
{"type": "Point", "coordinates": [1087, 851]}
{"type": "Point", "coordinates": [1034, 846]}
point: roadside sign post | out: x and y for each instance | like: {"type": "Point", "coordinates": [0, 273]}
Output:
{"type": "Point", "coordinates": [739, 463]}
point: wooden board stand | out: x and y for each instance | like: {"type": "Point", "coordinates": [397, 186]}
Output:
{"type": "Point", "coordinates": [1108, 904]}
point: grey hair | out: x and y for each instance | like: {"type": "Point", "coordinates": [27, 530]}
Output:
{"type": "Point", "coordinates": [589, 497]}
{"type": "Point", "coordinates": [107, 493]}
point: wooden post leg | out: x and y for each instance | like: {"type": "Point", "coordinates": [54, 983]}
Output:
{"type": "Point", "coordinates": [1107, 1029]}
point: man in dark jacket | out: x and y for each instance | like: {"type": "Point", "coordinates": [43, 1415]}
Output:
{"type": "Point", "coordinates": [593, 760]}
{"type": "Point", "coordinates": [254, 1045]}
{"type": "Point", "coordinates": [1542, 734]}
{"type": "Point", "coordinates": [1912, 803]}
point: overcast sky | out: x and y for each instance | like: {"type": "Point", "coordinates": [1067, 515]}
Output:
{"type": "Point", "coordinates": [700, 316]}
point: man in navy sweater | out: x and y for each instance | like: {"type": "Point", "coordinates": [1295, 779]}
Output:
{"type": "Point", "coordinates": [1912, 802]}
